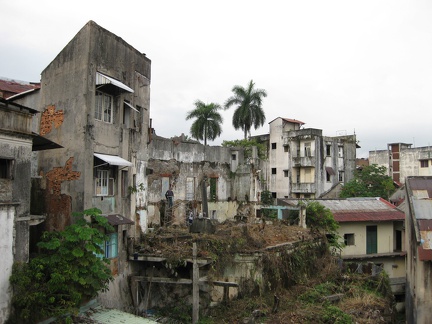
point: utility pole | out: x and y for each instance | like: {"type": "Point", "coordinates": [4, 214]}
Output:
{"type": "Point", "coordinates": [195, 286]}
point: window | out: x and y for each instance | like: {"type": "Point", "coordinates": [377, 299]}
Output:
{"type": "Point", "coordinates": [6, 168]}
{"type": "Point", "coordinates": [307, 149]}
{"type": "Point", "coordinates": [104, 186]}
{"type": "Point", "coordinates": [341, 176]}
{"type": "Point", "coordinates": [213, 189]}
{"type": "Point", "coordinates": [340, 150]}
{"type": "Point", "coordinates": [328, 149]}
{"type": "Point", "coordinates": [273, 170]}
{"type": "Point", "coordinates": [190, 191]}
{"type": "Point", "coordinates": [286, 149]}
{"type": "Point", "coordinates": [111, 246]}
{"type": "Point", "coordinates": [124, 183]}
{"type": "Point", "coordinates": [424, 163]}
{"type": "Point", "coordinates": [328, 176]}
{"type": "Point", "coordinates": [104, 107]}
{"type": "Point", "coordinates": [274, 195]}
{"type": "Point", "coordinates": [349, 239]}
{"type": "Point", "coordinates": [398, 240]}
{"type": "Point", "coordinates": [273, 145]}
{"type": "Point", "coordinates": [233, 157]}
{"type": "Point", "coordinates": [286, 173]}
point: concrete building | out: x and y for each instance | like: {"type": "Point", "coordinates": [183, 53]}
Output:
{"type": "Point", "coordinates": [402, 160]}
{"type": "Point", "coordinates": [419, 249]}
{"type": "Point", "coordinates": [305, 164]}
{"type": "Point", "coordinates": [17, 142]}
{"type": "Point", "coordinates": [95, 102]}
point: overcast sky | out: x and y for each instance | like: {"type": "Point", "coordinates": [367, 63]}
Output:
{"type": "Point", "coordinates": [345, 67]}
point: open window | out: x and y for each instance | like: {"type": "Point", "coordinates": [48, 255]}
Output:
{"type": "Point", "coordinates": [104, 107]}
{"type": "Point", "coordinates": [107, 88]}
{"type": "Point", "coordinates": [105, 172]}
{"type": "Point", "coordinates": [7, 168]}
{"type": "Point", "coordinates": [349, 239]}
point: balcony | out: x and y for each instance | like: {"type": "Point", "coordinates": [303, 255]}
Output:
{"type": "Point", "coordinates": [305, 161]}
{"type": "Point", "coordinates": [303, 188]}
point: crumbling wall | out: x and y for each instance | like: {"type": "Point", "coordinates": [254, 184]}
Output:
{"type": "Point", "coordinates": [58, 206]}
{"type": "Point", "coordinates": [191, 168]}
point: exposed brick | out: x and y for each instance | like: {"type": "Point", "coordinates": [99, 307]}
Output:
{"type": "Point", "coordinates": [57, 175]}
{"type": "Point", "coordinates": [50, 116]}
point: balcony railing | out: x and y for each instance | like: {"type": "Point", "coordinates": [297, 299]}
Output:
{"type": "Point", "coordinates": [306, 161]}
{"type": "Point", "coordinates": [303, 187]}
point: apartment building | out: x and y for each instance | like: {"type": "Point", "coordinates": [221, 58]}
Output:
{"type": "Point", "coordinates": [305, 164]}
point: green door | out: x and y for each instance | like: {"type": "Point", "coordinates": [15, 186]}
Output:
{"type": "Point", "coordinates": [371, 239]}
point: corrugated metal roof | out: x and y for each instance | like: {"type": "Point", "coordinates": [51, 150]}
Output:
{"type": "Point", "coordinates": [422, 208]}
{"type": "Point", "coordinates": [14, 87]}
{"type": "Point", "coordinates": [362, 209]}
{"type": "Point", "coordinates": [419, 184]}
{"type": "Point", "coordinates": [117, 219]}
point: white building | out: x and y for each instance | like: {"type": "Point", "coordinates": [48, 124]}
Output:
{"type": "Point", "coordinates": [305, 164]}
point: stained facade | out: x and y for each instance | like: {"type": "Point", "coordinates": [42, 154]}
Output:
{"type": "Point", "coordinates": [402, 160]}
{"type": "Point", "coordinates": [305, 164]}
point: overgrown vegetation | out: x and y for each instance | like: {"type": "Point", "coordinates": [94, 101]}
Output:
{"type": "Point", "coordinates": [370, 181]}
{"type": "Point", "coordinates": [325, 294]}
{"type": "Point", "coordinates": [267, 200]}
{"type": "Point", "coordinates": [69, 270]}
{"type": "Point", "coordinates": [247, 145]}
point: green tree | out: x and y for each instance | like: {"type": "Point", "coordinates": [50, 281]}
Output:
{"type": "Point", "coordinates": [371, 181]}
{"type": "Point", "coordinates": [321, 219]}
{"type": "Point", "coordinates": [249, 111]}
{"type": "Point", "coordinates": [69, 270]}
{"type": "Point", "coordinates": [208, 120]}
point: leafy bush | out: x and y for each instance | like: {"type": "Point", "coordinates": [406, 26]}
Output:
{"type": "Point", "coordinates": [68, 271]}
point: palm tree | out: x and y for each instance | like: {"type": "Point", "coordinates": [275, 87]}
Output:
{"type": "Point", "coordinates": [249, 110]}
{"type": "Point", "coordinates": [207, 124]}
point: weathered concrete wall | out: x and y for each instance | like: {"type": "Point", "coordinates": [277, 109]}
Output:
{"type": "Point", "coordinates": [118, 295]}
{"type": "Point", "coordinates": [7, 217]}
{"type": "Point", "coordinates": [67, 105]}
{"type": "Point", "coordinates": [186, 167]}
{"type": "Point", "coordinates": [409, 161]}
{"type": "Point", "coordinates": [379, 157]}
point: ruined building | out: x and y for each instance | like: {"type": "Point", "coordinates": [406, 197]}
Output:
{"type": "Point", "coordinates": [212, 180]}
{"type": "Point", "coordinates": [305, 164]}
